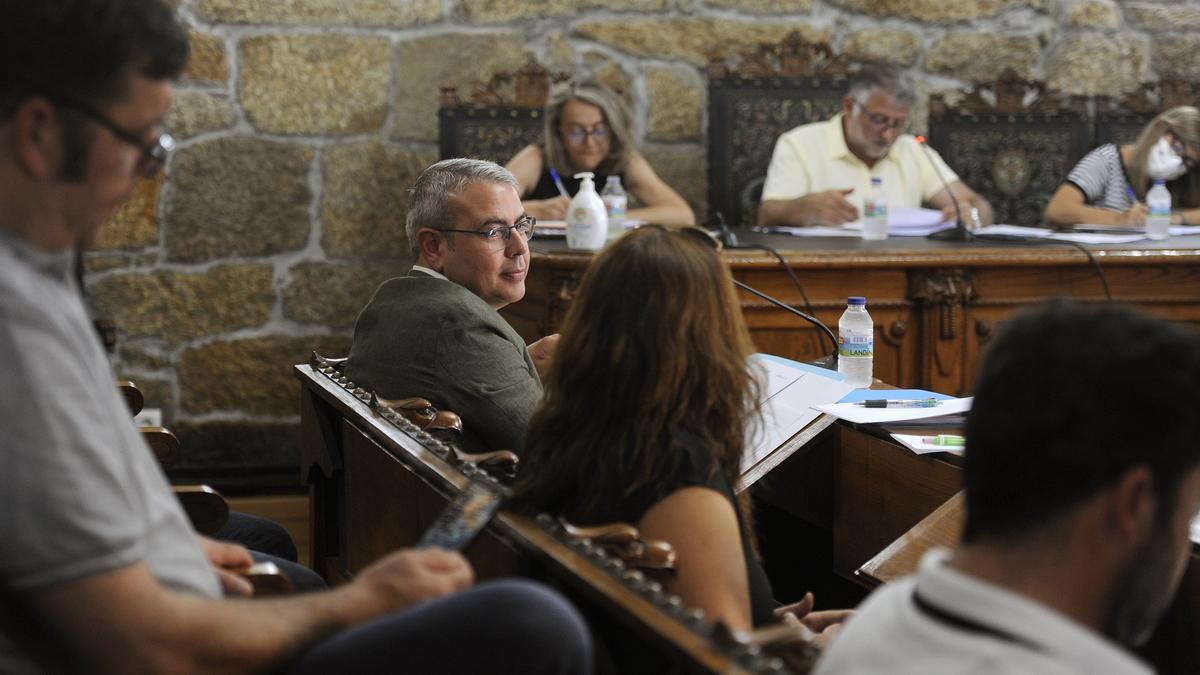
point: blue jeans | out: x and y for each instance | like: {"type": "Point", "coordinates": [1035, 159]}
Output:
{"type": "Point", "coordinates": [509, 626]}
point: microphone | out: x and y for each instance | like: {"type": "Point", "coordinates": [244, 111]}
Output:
{"type": "Point", "coordinates": [723, 234]}
{"type": "Point", "coordinates": [960, 231]}
{"type": "Point", "coordinates": [830, 362]}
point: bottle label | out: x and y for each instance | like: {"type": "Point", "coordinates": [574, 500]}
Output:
{"type": "Point", "coordinates": [875, 209]}
{"type": "Point", "coordinates": [1160, 209]}
{"type": "Point", "coordinates": [856, 345]}
{"type": "Point", "coordinates": [615, 206]}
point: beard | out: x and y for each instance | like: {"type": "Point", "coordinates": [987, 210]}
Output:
{"type": "Point", "coordinates": [1144, 590]}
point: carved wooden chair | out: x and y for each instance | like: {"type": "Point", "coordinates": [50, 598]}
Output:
{"type": "Point", "coordinates": [750, 104]}
{"type": "Point", "coordinates": [204, 506]}
{"type": "Point", "coordinates": [1122, 121]}
{"type": "Point", "coordinates": [1014, 153]}
{"type": "Point", "coordinates": [499, 118]}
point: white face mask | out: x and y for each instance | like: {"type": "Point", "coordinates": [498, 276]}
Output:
{"type": "Point", "coordinates": [1162, 163]}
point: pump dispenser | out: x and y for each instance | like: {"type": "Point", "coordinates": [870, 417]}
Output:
{"type": "Point", "coordinates": [587, 219]}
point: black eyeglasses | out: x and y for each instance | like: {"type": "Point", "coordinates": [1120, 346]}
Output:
{"type": "Point", "coordinates": [497, 237]}
{"type": "Point", "coordinates": [576, 135]}
{"type": "Point", "coordinates": [154, 154]}
{"type": "Point", "coordinates": [883, 122]}
{"type": "Point", "coordinates": [1180, 148]}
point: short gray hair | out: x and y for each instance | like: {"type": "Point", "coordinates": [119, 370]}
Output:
{"type": "Point", "coordinates": [429, 198]}
{"type": "Point", "coordinates": [897, 85]}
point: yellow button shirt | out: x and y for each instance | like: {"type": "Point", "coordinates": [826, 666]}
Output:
{"type": "Point", "coordinates": [815, 158]}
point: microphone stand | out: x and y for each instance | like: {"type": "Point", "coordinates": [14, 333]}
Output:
{"type": "Point", "coordinates": [832, 363]}
{"type": "Point", "coordinates": [960, 231]}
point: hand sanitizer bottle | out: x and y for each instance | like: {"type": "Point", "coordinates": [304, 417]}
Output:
{"type": "Point", "coordinates": [587, 219]}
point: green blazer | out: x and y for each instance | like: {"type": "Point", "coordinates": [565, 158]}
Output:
{"type": "Point", "coordinates": [424, 336]}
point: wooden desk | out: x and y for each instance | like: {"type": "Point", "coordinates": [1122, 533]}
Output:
{"type": "Point", "coordinates": [935, 304]}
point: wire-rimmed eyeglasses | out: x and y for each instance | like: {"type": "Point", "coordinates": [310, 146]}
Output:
{"type": "Point", "coordinates": [498, 236]}
{"type": "Point", "coordinates": [883, 122]}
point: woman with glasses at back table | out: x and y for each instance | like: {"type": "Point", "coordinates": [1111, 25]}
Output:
{"type": "Point", "coordinates": [588, 129]}
{"type": "Point", "coordinates": [1109, 185]}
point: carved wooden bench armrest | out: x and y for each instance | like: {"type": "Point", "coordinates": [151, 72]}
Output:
{"type": "Point", "coordinates": [266, 578]}
{"type": "Point", "coordinates": [421, 412]}
{"type": "Point", "coordinates": [624, 541]}
{"type": "Point", "coordinates": [504, 460]}
{"type": "Point", "coordinates": [204, 506]}
{"type": "Point", "coordinates": [164, 444]}
{"type": "Point", "coordinates": [133, 396]}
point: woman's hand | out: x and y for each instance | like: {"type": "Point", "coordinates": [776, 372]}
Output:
{"type": "Point", "coordinates": [554, 208]}
{"type": "Point", "coordinates": [1136, 215]}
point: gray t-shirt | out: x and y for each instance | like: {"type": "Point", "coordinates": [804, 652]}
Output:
{"type": "Point", "coordinates": [80, 491]}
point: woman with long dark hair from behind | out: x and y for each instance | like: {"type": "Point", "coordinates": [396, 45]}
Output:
{"type": "Point", "coordinates": [645, 416]}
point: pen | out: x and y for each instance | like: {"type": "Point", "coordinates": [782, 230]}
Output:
{"type": "Point", "coordinates": [562, 189]}
{"type": "Point", "coordinates": [903, 403]}
{"type": "Point", "coordinates": [944, 439]}
{"type": "Point", "coordinates": [1130, 193]}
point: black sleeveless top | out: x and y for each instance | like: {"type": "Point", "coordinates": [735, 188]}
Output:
{"type": "Point", "coordinates": [546, 189]}
{"type": "Point", "coordinates": [703, 471]}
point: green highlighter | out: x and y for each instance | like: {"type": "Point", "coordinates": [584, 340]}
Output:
{"type": "Point", "coordinates": [945, 439]}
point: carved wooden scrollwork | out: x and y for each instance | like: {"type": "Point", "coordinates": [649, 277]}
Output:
{"type": "Point", "coordinates": [949, 290]}
{"type": "Point", "coordinates": [791, 57]}
{"type": "Point", "coordinates": [526, 87]}
{"type": "Point", "coordinates": [1012, 140]}
{"type": "Point", "coordinates": [1007, 95]}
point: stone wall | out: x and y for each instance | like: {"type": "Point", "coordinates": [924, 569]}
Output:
{"type": "Point", "coordinates": [301, 123]}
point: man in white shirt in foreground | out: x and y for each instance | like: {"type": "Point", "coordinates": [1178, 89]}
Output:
{"type": "Point", "coordinates": [1082, 476]}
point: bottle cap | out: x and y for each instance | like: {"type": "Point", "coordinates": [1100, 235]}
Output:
{"type": "Point", "coordinates": [856, 300]}
{"type": "Point", "coordinates": [1159, 181]}
{"type": "Point", "coordinates": [876, 181]}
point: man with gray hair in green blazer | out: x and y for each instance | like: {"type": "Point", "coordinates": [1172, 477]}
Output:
{"type": "Point", "coordinates": [436, 332]}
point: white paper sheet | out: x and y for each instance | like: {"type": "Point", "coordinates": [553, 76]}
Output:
{"type": "Point", "coordinates": [918, 445]}
{"type": "Point", "coordinates": [861, 415]}
{"type": "Point", "coordinates": [790, 390]}
{"type": "Point", "coordinates": [1077, 237]}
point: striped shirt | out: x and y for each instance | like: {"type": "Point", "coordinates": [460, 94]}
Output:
{"type": "Point", "coordinates": [1101, 177]}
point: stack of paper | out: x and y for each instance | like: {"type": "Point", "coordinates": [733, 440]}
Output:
{"type": "Point", "coordinates": [789, 391]}
{"type": "Point", "coordinates": [1077, 237]}
{"type": "Point", "coordinates": [902, 222]}
{"type": "Point", "coordinates": [853, 412]}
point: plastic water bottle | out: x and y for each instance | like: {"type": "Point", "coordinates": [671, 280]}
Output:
{"type": "Point", "coordinates": [1158, 221]}
{"type": "Point", "coordinates": [875, 212]}
{"type": "Point", "coordinates": [615, 202]}
{"type": "Point", "coordinates": [856, 343]}
{"type": "Point", "coordinates": [587, 221]}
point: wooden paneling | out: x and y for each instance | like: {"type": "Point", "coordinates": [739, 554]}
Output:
{"type": "Point", "coordinates": [882, 492]}
{"type": "Point", "coordinates": [935, 304]}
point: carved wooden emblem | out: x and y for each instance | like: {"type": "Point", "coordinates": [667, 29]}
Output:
{"type": "Point", "coordinates": [1011, 172]}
